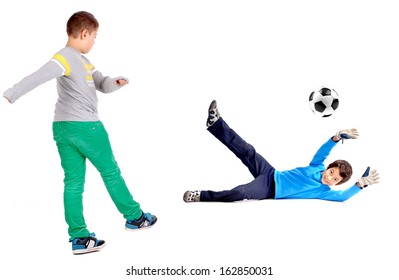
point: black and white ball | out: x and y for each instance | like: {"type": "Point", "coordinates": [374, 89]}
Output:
{"type": "Point", "coordinates": [324, 101]}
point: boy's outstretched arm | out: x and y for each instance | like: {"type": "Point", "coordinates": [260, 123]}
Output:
{"type": "Point", "coordinates": [46, 73]}
{"type": "Point", "coordinates": [368, 178]}
{"type": "Point", "coordinates": [325, 149]}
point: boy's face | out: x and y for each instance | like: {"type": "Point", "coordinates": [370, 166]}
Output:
{"type": "Point", "coordinates": [88, 40]}
{"type": "Point", "coordinates": [331, 177]}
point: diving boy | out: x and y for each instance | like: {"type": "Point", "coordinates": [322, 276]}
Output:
{"type": "Point", "coordinates": [313, 181]}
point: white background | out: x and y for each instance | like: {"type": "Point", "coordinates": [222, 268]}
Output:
{"type": "Point", "coordinates": [260, 60]}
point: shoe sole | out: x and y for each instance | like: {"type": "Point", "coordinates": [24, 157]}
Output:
{"type": "Point", "coordinates": [212, 106]}
{"type": "Point", "coordinates": [90, 250]}
{"type": "Point", "coordinates": [186, 197]}
{"type": "Point", "coordinates": [139, 229]}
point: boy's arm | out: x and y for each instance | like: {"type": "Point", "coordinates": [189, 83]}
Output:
{"type": "Point", "coordinates": [47, 72]}
{"type": "Point", "coordinates": [368, 178]}
{"type": "Point", "coordinates": [326, 148]}
{"type": "Point", "coordinates": [341, 195]}
{"type": "Point", "coordinates": [107, 84]}
{"type": "Point", "coordinates": [323, 152]}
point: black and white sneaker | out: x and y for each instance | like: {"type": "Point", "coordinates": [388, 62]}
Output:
{"type": "Point", "coordinates": [192, 196]}
{"type": "Point", "coordinates": [87, 244]}
{"type": "Point", "coordinates": [213, 114]}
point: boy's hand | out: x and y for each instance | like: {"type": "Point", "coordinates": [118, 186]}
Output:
{"type": "Point", "coordinates": [7, 99]}
{"type": "Point", "coordinates": [368, 179]}
{"type": "Point", "coordinates": [346, 134]}
{"type": "Point", "coordinates": [121, 82]}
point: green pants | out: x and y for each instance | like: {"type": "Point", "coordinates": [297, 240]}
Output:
{"type": "Point", "coordinates": [76, 142]}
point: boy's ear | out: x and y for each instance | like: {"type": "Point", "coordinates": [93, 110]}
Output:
{"type": "Point", "coordinates": [84, 33]}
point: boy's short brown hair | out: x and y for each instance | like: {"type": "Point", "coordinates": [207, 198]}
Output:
{"type": "Point", "coordinates": [345, 169]}
{"type": "Point", "coordinates": [80, 21]}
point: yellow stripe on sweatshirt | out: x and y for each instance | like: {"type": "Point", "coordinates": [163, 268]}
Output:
{"type": "Point", "coordinates": [63, 62]}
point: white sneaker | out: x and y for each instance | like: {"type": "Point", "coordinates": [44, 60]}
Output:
{"type": "Point", "coordinates": [213, 114]}
{"type": "Point", "coordinates": [192, 196]}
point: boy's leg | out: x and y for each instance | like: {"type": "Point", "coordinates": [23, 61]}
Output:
{"type": "Point", "coordinates": [257, 189]}
{"type": "Point", "coordinates": [261, 187]}
{"type": "Point", "coordinates": [256, 164]}
{"type": "Point", "coordinates": [95, 145]}
{"type": "Point", "coordinates": [74, 165]}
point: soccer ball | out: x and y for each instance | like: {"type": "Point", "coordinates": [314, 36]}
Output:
{"type": "Point", "coordinates": [323, 101]}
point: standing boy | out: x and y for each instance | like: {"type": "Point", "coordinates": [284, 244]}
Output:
{"type": "Point", "coordinates": [313, 181]}
{"type": "Point", "coordinates": [78, 132]}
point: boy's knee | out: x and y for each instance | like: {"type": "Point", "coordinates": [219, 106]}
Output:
{"type": "Point", "coordinates": [249, 150]}
{"type": "Point", "coordinates": [240, 193]}
{"type": "Point", "coordinates": [74, 181]}
{"type": "Point", "coordinates": [111, 174]}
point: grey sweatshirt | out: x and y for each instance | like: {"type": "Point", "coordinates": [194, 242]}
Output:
{"type": "Point", "coordinates": [77, 82]}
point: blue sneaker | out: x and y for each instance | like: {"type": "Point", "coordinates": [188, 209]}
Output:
{"type": "Point", "coordinates": [87, 245]}
{"type": "Point", "coordinates": [146, 220]}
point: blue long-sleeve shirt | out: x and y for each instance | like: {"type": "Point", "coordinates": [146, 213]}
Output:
{"type": "Point", "coordinates": [305, 182]}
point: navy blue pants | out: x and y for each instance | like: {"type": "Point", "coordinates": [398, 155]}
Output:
{"type": "Point", "coordinates": [262, 187]}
